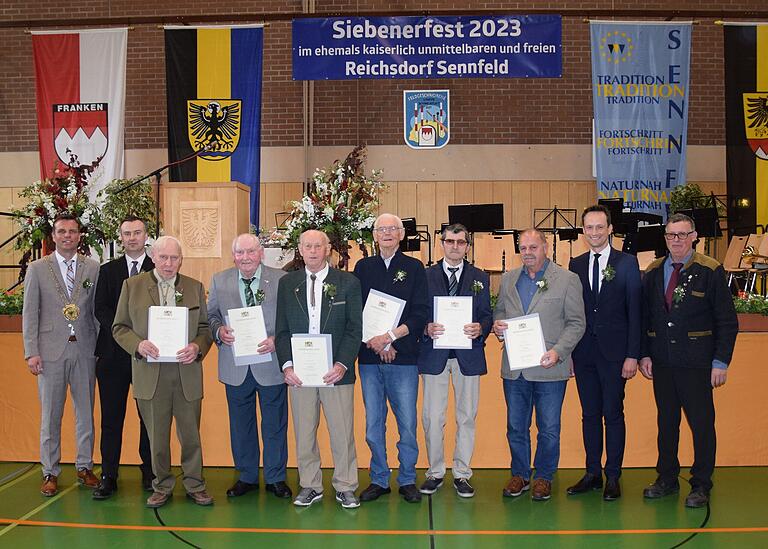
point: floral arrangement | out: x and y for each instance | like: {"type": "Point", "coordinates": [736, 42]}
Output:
{"type": "Point", "coordinates": [609, 273]}
{"type": "Point", "coordinates": [329, 290]}
{"type": "Point", "coordinates": [342, 201]}
{"type": "Point", "coordinates": [119, 199]}
{"type": "Point", "coordinates": [543, 285]}
{"type": "Point", "coordinates": [260, 296]}
{"type": "Point", "coordinates": [751, 304]}
{"type": "Point", "coordinates": [12, 303]}
{"type": "Point", "coordinates": [65, 191]}
{"type": "Point", "coordinates": [679, 292]}
{"type": "Point", "coordinates": [477, 287]}
{"type": "Point", "coordinates": [399, 276]}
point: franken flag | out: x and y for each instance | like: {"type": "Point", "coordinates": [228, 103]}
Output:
{"type": "Point", "coordinates": [213, 77]}
{"type": "Point", "coordinates": [746, 122]}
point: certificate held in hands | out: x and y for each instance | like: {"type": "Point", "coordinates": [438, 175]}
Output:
{"type": "Point", "coordinates": [524, 342]}
{"type": "Point", "coordinates": [250, 330]}
{"type": "Point", "coordinates": [312, 358]}
{"type": "Point", "coordinates": [453, 312]}
{"type": "Point", "coordinates": [167, 330]}
{"type": "Point", "coordinates": [381, 313]}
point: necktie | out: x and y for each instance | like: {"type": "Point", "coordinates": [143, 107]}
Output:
{"type": "Point", "coordinates": [70, 277]}
{"type": "Point", "coordinates": [250, 301]}
{"type": "Point", "coordinates": [674, 277]}
{"type": "Point", "coordinates": [595, 277]}
{"type": "Point", "coordinates": [134, 268]}
{"type": "Point", "coordinates": [312, 290]}
{"type": "Point", "coordinates": [453, 283]}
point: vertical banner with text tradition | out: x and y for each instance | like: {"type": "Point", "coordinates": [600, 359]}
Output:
{"type": "Point", "coordinates": [640, 75]}
{"type": "Point", "coordinates": [80, 84]}
{"type": "Point", "coordinates": [213, 77]}
{"type": "Point", "coordinates": [746, 122]}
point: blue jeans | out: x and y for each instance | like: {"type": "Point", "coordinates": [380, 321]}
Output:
{"type": "Point", "coordinates": [398, 384]}
{"type": "Point", "coordinates": [522, 396]}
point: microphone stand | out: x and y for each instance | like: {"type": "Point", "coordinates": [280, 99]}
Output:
{"type": "Point", "coordinates": [157, 174]}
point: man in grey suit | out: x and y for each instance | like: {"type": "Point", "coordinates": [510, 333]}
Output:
{"type": "Point", "coordinates": [167, 391]}
{"type": "Point", "coordinates": [321, 300]}
{"type": "Point", "coordinates": [250, 283]}
{"type": "Point", "coordinates": [539, 286]}
{"type": "Point", "coordinates": [59, 339]}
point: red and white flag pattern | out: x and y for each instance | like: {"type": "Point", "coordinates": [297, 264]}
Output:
{"type": "Point", "coordinates": [80, 83]}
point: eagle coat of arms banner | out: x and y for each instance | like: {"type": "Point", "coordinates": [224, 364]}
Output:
{"type": "Point", "coordinates": [80, 84]}
{"type": "Point", "coordinates": [213, 77]}
{"type": "Point", "coordinates": [746, 122]}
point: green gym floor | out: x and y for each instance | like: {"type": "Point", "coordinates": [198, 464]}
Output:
{"type": "Point", "coordinates": [737, 516]}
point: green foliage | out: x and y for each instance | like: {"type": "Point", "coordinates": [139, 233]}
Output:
{"type": "Point", "coordinates": [12, 303]}
{"type": "Point", "coordinates": [138, 200]}
{"type": "Point", "coordinates": [688, 196]}
{"type": "Point", "coordinates": [751, 304]}
{"type": "Point", "coordinates": [494, 301]}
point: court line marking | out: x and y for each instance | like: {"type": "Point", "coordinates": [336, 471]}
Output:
{"type": "Point", "coordinates": [20, 478]}
{"type": "Point", "coordinates": [23, 522]}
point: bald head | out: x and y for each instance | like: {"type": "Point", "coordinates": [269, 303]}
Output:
{"type": "Point", "coordinates": [166, 253]}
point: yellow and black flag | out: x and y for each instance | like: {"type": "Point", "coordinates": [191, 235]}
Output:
{"type": "Point", "coordinates": [213, 77]}
{"type": "Point", "coordinates": [746, 121]}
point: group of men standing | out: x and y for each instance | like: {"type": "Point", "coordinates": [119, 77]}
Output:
{"type": "Point", "coordinates": [598, 323]}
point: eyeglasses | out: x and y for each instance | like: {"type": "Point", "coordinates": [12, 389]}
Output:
{"type": "Point", "coordinates": [678, 236]}
{"type": "Point", "coordinates": [382, 230]}
{"type": "Point", "coordinates": [451, 242]}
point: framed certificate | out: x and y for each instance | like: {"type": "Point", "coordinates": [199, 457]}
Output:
{"type": "Point", "coordinates": [312, 358]}
{"type": "Point", "coordinates": [453, 312]}
{"type": "Point", "coordinates": [524, 342]}
{"type": "Point", "coordinates": [249, 330]}
{"type": "Point", "coordinates": [168, 331]}
{"type": "Point", "coordinates": [381, 313]}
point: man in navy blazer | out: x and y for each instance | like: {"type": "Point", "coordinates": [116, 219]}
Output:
{"type": "Point", "coordinates": [454, 276]}
{"type": "Point", "coordinates": [607, 355]}
{"type": "Point", "coordinates": [388, 361]}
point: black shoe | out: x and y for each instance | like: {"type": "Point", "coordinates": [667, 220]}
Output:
{"type": "Point", "coordinates": [239, 488]}
{"type": "Point", "coordinates": [146, 481]}
{"type": "Point", "coordinates": [697, 498]}
{"type": "Point", "coordinates": [280, 489]}
{"type": "Point", "coordinates": [612, 490]}
{"type": "Point", "coordinates": [410, 493]}
{"type": "Point", "coordinates": [106, 488]}
{"type": "Point", "coordinates": [374, 491]}
{"type": "Point", "coordinates": [659, 489]}
{"type": "Point", "coordinates": [430, 485]}
{"type": "Point", "coordinates": [586, 483]}
{"type": "Point", "coordinates": [463, 488]}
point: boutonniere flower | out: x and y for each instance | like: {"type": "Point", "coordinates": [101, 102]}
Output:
{"type": "Point", "coordinates": [477, 287]}
{"type": "Point", "coordinates": [259, 296]}
{"type": "Point", "coordinates": [679, 292]}
{"type": "Point", "coordinates": [178, 295]}
{"type": "Point", "coordinates": [543, 285]}
{"type": "Point", "coordinates": [400, 276]}
{"type": "Point", "coordinates": [87, 283]}
{"type": "Point", "coordinates": [609, 273]}
{"type": "Point", "coordinates": [329, 290]}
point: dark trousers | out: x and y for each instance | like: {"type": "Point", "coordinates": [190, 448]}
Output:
{"type": "Point", "coordinates": [689, 389]}
{"type": "Point", "coordinates": [244, 433]}
{"type": "Point", "coordinates": [601, 392]}
{"type": "Point", "coordinates": [114, 377]}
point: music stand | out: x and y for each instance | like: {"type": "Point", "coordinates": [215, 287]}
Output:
{"type": "Point", "coordinates": [410, 242]}
{"type": "Point", "coordinates": [555, 215]}
{"type": "Point", "coordinates": [477, 218]}
{"type": "Point", "coordinates": [647, 238]}
{"type": "Point", "coordinates": [706, 220]}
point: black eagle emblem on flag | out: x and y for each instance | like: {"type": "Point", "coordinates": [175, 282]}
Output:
{"type": "Point", "coordinates": [756, 122]}
{"type": "Point", "coordinates": [214, 126]}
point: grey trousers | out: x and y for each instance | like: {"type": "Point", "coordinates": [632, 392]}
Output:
{"type": "Point", "coordinates": [167, 404]}
{"type": "Point", "coordinates": [467, 392]}
{"type": "Point", "coordinates": [80, 374]}
{"type": "Point", "coordinates": [338, 407]}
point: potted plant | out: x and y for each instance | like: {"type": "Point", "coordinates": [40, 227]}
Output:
{"type": "Point", "coordinates": [752, 310]}
{"type": "Point", "coordinates": [11, 305]}
{"type": "Point", "coordinates": [121, 197]}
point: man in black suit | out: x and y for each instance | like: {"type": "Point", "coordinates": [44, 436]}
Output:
{"type": "Point", "coordinates": [607, 355]}
{"type": "Point", "coordinates": [113, 367]}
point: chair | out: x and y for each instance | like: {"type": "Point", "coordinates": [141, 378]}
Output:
{"type": "Point", "coordinates": [732, 263]}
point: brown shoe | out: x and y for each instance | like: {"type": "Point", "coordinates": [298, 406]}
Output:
{"type": "Point", "coordinates": [157, 499]}
{"type": "Point", "coordinates": [87, 478]}
{"type": "Point", "coordinates": [50, 486]}
{"type": "Point", "coordinates": [201, 497]}
{"type": "Point", "coordinates": [515, 487]}
{"type": "Point", "coordinates": [542, 489]}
